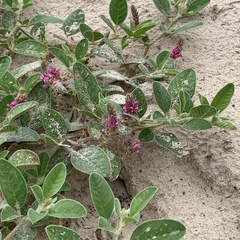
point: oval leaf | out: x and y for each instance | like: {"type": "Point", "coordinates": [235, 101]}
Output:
{"type": "Point", "coordinates": [91, 159]}
{"type": "Point", "coordinates": [162, 97]}
{"type": "Point", "coordinates": [67, 208]}
{"type": "Point", "coordinates": [164, 229]}
{"type": "Point", "coordinates": [162, 59]}
{"type": "Point", "coordinates": [223, 97]}
{"type": "Point", "coordinates": [13, 184]}
{"type": "Point", "coordinates": [203, 111]}
{"type": "Point", "coordinates": [4, 64]}
{"type": "Point", "coordinates": [141, 200]}
{"type": "Point", "coordinates": [170, 142]}
{"type": "Point", "coordinates": [141, 101]}
{"type": "Point", "coordinates": [118, 11]}
{"type": "Point", "coordinates": [45, 19]}
{"type": "Point", "coordinates": [8, 83]}
{"type": "Point", "coordinates": [54, 180]}
{"type": "Point", "coordinates": [195, 6]}
{"type": "Point", "coordinates": [146, 135]}
{"type": "Point", "coordinates": [163, 6]}
{"type": "Point", "coordinates": [9, 20]}
{"type": "Point", "coordinates": [31, 48]}
{"type": "Point", "coordinates": [102, 195]}
{"type": "Point", "coordinates": [185, 80]}
{"type": "Point", "coordinates": [56, 232]}
{"type": "Point", "coordinates": [54, 124]}
{"type": "Point", "coordinates": [197, 124]}
{"type": "Point", "coordinates": [24, 157]}
{"type": "Point", "coordinates": [60, 55]}
{"type": "Point", "coordinates": [81, 49]}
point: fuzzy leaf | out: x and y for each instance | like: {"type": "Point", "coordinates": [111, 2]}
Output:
{"type": "Point", "coordinates": [24, 157]}
{"type": "Point", "coordinates": [71, 24]}
{"type": "Point", "coordinates": [60, 55]}
{"type": "Point", "coordinates": [95, 130]}
{"type": "Point", "coordinates": [118, 11]}
{"type": "Point", "coordinates": [223, 97]}
{"type": "Point", "coordinates": [107, 21]}
{"type": "Point", "coordinates": [8, 214]}
{"type": "Point", "coordinates": [67, 208]}
{"type": "Point", "coordinates": [45, 19]}
{"type": "Point", "coordinates": [54, 180]}
{"type": "Point", "coordinates": [163, 6]}
{"type": "Point", "coordinates": [37, 192]}
{"type": "Point", "coordinates": [13, 184]}
{"type": "Point", "coordinates": [186, 26]}
{"type": "Point", "coordinates": [81, 49]}
{"type": "Point", "coordinates": [185, 80]}
{"type": "Point", "coordinates": [194, 6]}
{"type": "Point", "coordinates": [102, 195]}
{"type": "Point", "coordinates": [35, 216]}
{"type": "Point", "coordinates": [170, 142]}
{"type": "Point", "coordinates": [106, 53]}
{"type": "Point", "coordinates": [143, 28]}
{"type": "Point", "coordinates": [38, 31]}
{"type": "Point", "coordinates": [197, 124]}
{"type": "Point", "coordinates": [91, 159]}
{"type": "Point", "coordinates": [54, 124]}
{"type": "Point", "coordinates": [140, 201]}
{"type": "Point", "coordinates": [146, 135]}
{"type": "Point", "coordinates": [203, 111]}
{"type": "Point", "coordinates": [162, 97]}
{"type": "Point", "coordinates": [104, 224]}
{"type": "Point", "coordinates": [164, 229]}
{"type": "Point", "coordinates": [9, 20]}
{"type": "Point", "coordinates": [8, 83]}
{"type": "Point", "coordinates": [141, 101]}
{"type": "Point", "coordinates": [56, 232]}
{"type": "Point", "coordinates": [31, 48]}
{"type": "Point", "coordinates": [162, 59]}
{"type": "Point", "coordinates": [5, 62]}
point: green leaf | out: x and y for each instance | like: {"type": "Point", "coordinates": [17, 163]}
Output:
{"type": "Point", "coordinates": [103, 104]}
{"type": "Point", "coordinates": [82, 73]}
{"type": "Point", "coordinates": [35, 216]}
{"type": "Point", "coordinates": [26, 232]}
{"type": "Point", "coordinates": [186, 26]}
{"type": "Point", "coordinates": [162, 97]}
{"type": "Point", "coordinates": [107, 21]}
{"type": "Point", "coordinates": [203, 111]}
{"type": "Point", "coordinates": [203, 100]}
{"type": "Point", "coordinates": [60, 55]}
{"type": "Point", "coordinates": [118, 11]}
{"type": "Point", "coordinates": [42, 168]}
{"type": "Point", "coordinates": [67, 208]}
{"type": "Point", "coordinates": [95, 130]}
{"type": "Point", "coordinates": [24, 157]}
{"type": "Point", "coordinates": [162, 59]}
{"type": "Point", "coordinates": [146, 135]}
{"type": "Point", "coordinates": [141, 101]}
{"type": "Point", "coordinates": [54, 180]}
{"type": "Point", "coordinates": [163, 6]}
{"type": "Point", "coordinates": [33, 118]}
{"type": "Point", "coordinates": [222, 123]}
{"type": "Point", "coordinates": [17, 111]}
{"type": "Point", "coordinates": [21, 71]}
{"type": "Point", "coordinates": [22, 134]}
{"type": "Point", "coordinates": [185, 80]}
{"type": "Point", "coordinates": [9, 20]}
{"type": "Point", "coordinates": [8, 2]}
{"type": "Point", "coordinates": [93, 36]}
{"type": "Point", "coordinates": [81, 49]}
{"type": "Point", "coordinates": [164, 229]}
{"type": "Point", "coordinates": [107, 53]}
{"type": "Point", "coordinates": [56, 232]}
{"type": "Point", "coordinates": [115, 164]}
{"type": "Point", "coordinates": [189, 103]}
{"type": "Point", "coordinates": [102, 195]}
{"type": "Point", "coordinates": [91, 159]}
{"type": "Point", "coordinates": [197, 124]}
{"type": "Point", "coordinates": [194, 6]}
{"type": "Point", "coordinates": [37, 192]}
{"type": "Point", "coordinates": [8, 214]}
{"type": "Point", "coordinates": [104, 224]}
{"type": "Point", "coordinates": [54, 124]}
{"type": "Point", "coordinates": [127, 29]}
{"type": "Point", "coordinates": [71, 24]}
{"type": "Point", "coordinates": [223, 97]}
{"type": "Point", "coordinates": [8, 83]}
{"type": "Point", "coordinates": [38, 31]}
{"type": "Point", "coordinates": [143, 28]}
{"type": "Point", "coordinates": [45, 19]}
{"type": "Point", "coordinates": [118, 208]}
{"type": "Point", "coordinates": [4, 104]}
{"type": "Point", "coordinates": [3, 154]}
{"type": "Point", "coordinates": [140, 201]}
{"type": "Point", "coordinates": [170, 142]}
{"type": "Point", "coordinates": [5, 62]}
{"type": "Point", "coordinates": [31, 48]}
{"type": "Point", "coordinates": [31, 81]}
{"type": "Point", "coordinates": [13, 184]}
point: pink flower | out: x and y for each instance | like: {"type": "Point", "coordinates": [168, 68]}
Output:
{"type": "Point", "coordinates": [52, 76]}
{"type": "Point", "coordinates": [176, 53]}
{"type": "Point", "coordinates": [130, 106]}
{"type": "Point", "coordinates": [137, 146]}
{"type": "Point", "coordinates": [19, 99]}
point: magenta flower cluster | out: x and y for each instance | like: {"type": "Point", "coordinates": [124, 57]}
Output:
{"type": "Point", "coordinates": [131, 108]}
{"type": "Point", "coordinates": [137, 146]}
{"type": "Point", "coordinates": [19, 99]}
{"type": "Point", "coordinates": [111, 122]}
{"type": "Point", "coordinates": [52, 76]}
{"type": "Point", "coordinates": [176, 53]}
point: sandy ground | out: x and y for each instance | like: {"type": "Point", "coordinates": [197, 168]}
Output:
{"type": "Point", "coordinates": [202, 189]}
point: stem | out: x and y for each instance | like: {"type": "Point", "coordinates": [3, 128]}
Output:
{"type": "Point", "coordinates": [162, 34]}
{"type": "Point", "coordinates": [23, 222]}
